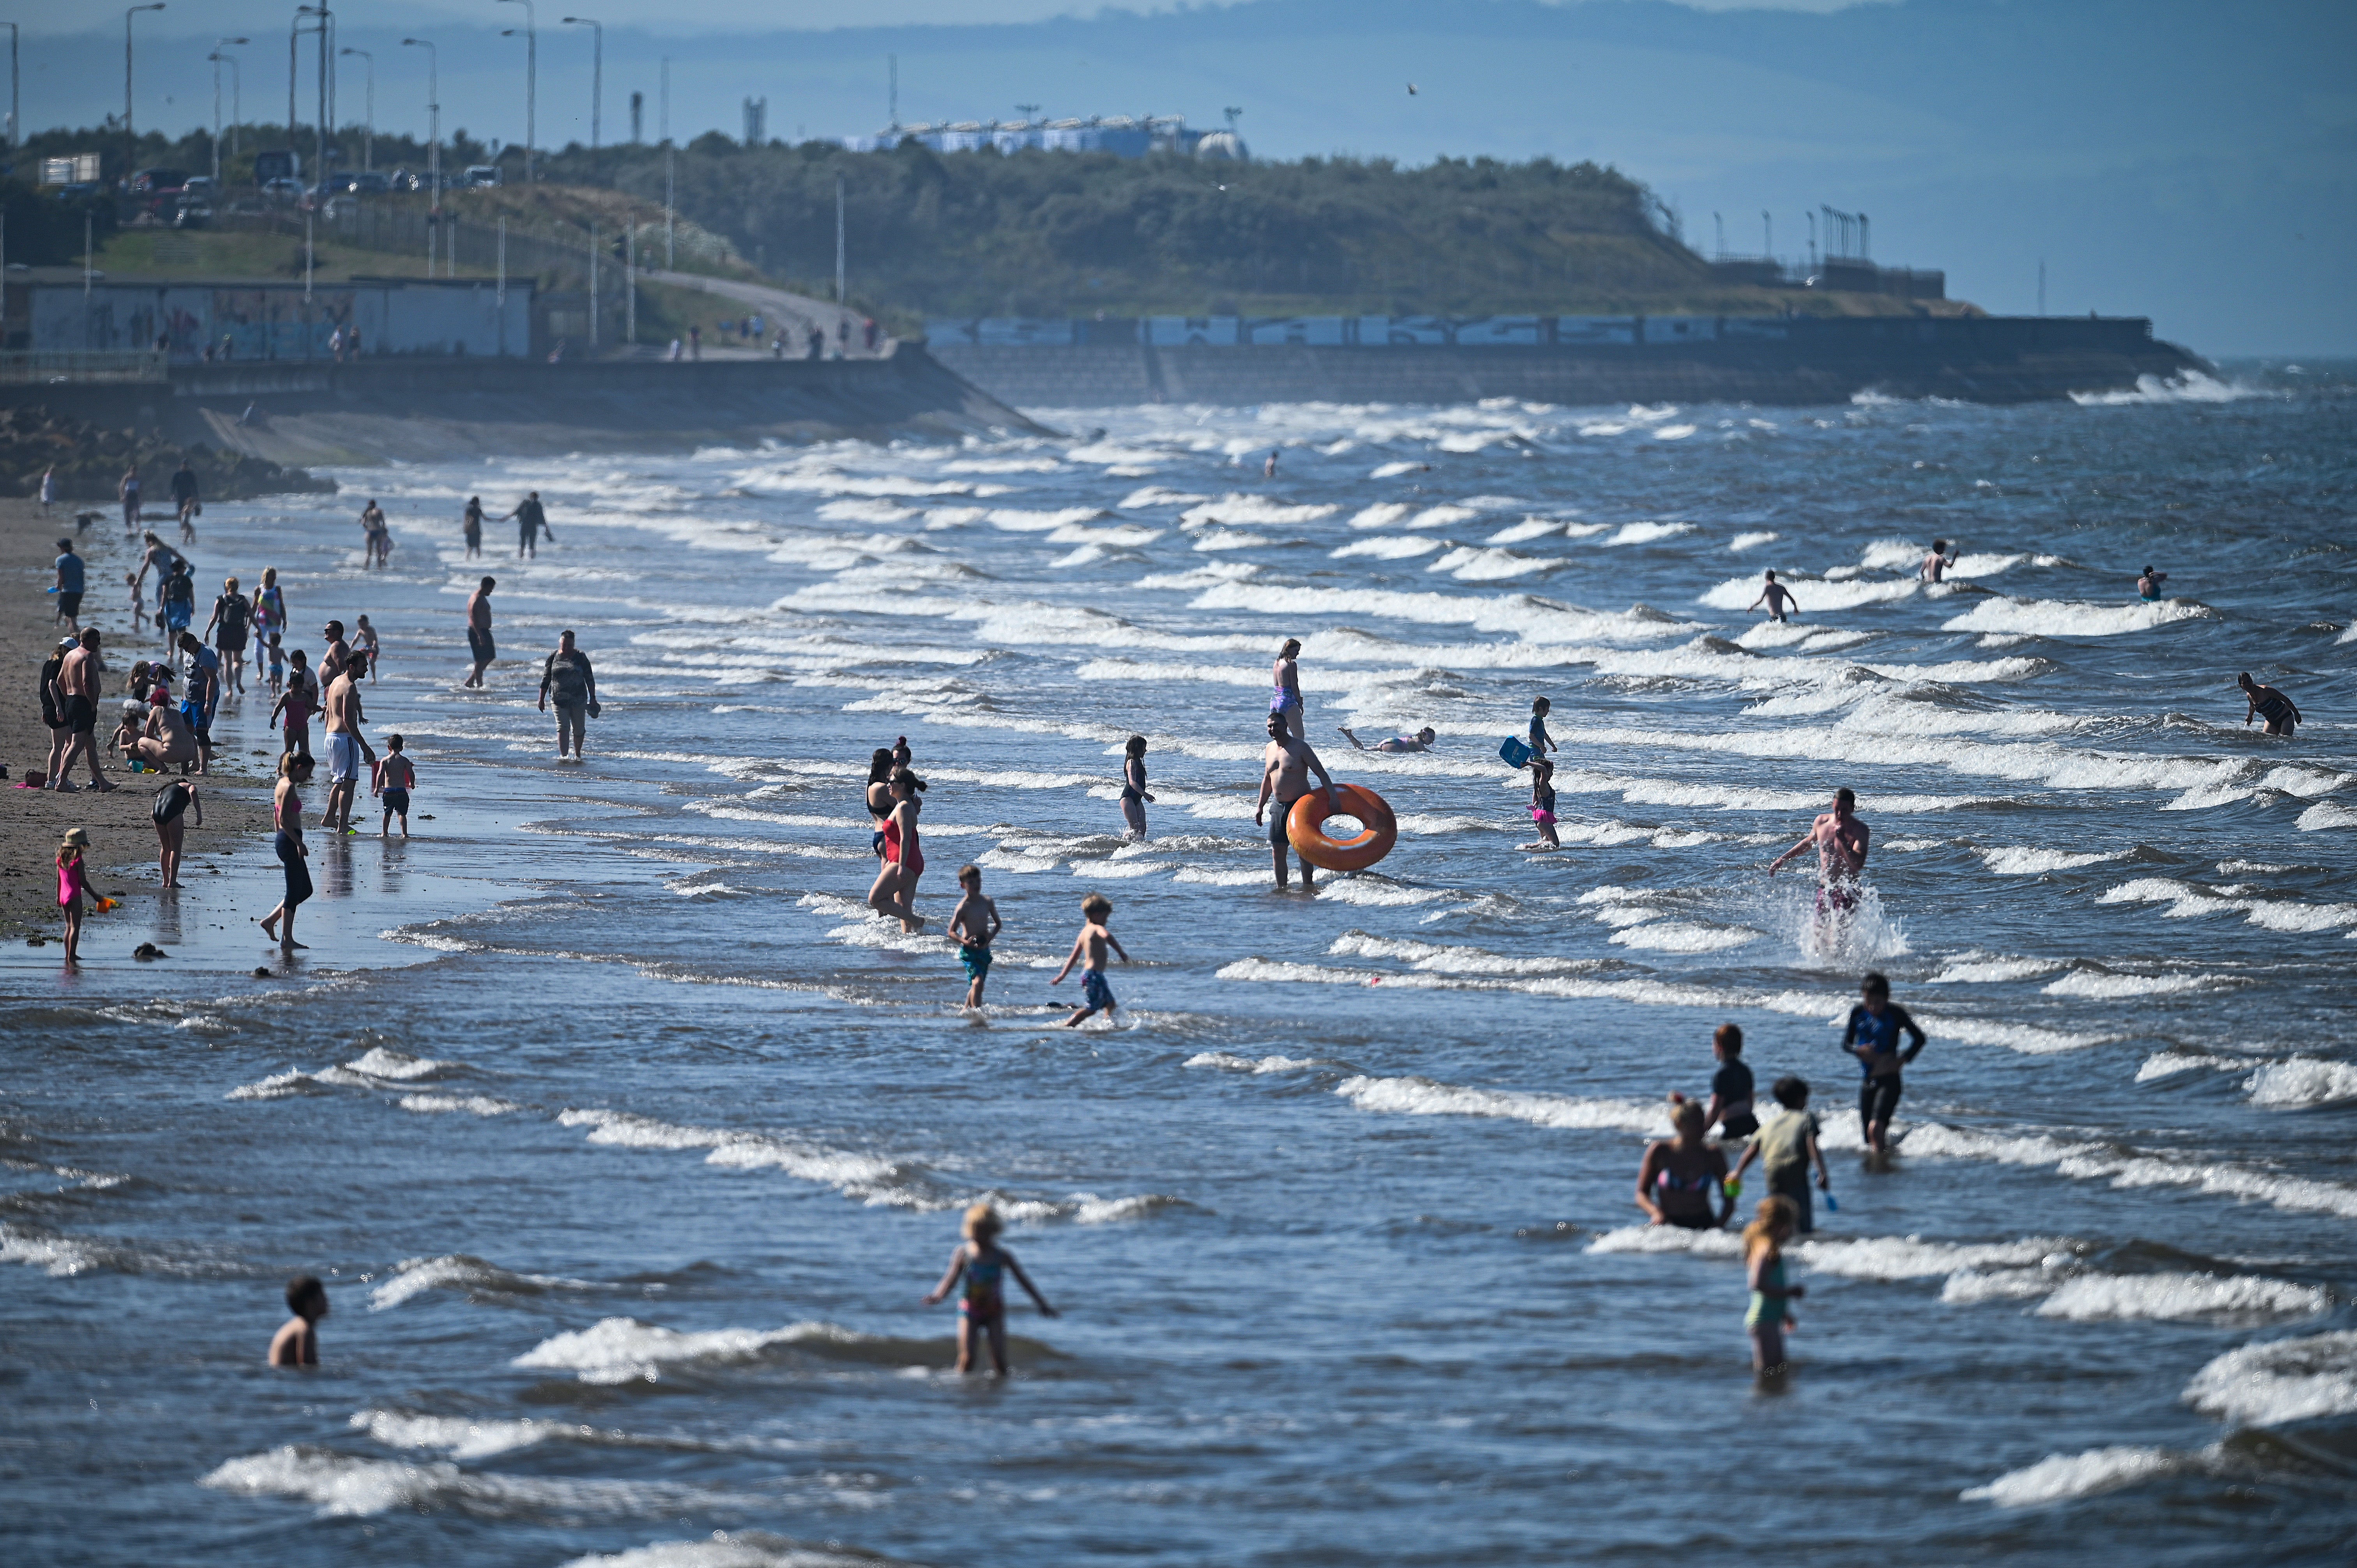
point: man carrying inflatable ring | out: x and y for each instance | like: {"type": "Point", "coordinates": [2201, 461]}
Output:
{"type": "Point", "coordinates": [1301, 811]}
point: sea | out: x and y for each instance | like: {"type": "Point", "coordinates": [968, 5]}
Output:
{"type": "Point", "coordinates": [627, 1140]}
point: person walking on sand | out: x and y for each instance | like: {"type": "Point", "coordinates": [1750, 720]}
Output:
{"type": "Point", "coordinates": [174, 802]}
{"type": "Point", "coordinates": [1134, 797]}
{"type": "Point", "coordinates": [296, 1343]}
{"type": "Point", "coordinates": [1420, 741]}
{"type": "Point", "coordinates": [286, 810]}
{"type": "Point", "coordinates": [531, 523]}
{"type": "Point", "coordinates": [1841, 840]}
{"type": "Point", "coordinates": [1679, 1179]}
{"type": "Point", "coordinates": [566, 675]}
{"type": "Point", "coordinates": [1769, 1314]}
{"type": "Point", "coordinates": [1285, 700]}
{"type": "Point", "coordinates": [48, 489]}
{"type": "Point", "coordinates": [974, 924]}
{"type": "Point", "coordinates": [479, 645]}
{"type": "Point", "coordinates": [233, 616]}
{"type": "Point", "coordinates": [2280, 712]}
{"type": "Point", "coordinates": [54, 708]}
{"type": "Point", "coordinates": [895, 892]}
{"type": "Point", "coordinates": [70, 584]}
{"type": "Point", "coordinates": [1776, 596]}
{"type": "Point", "coordinates": [1872, 1037]}
{"type": "Point", "coordinates": [204, 695]}
{"type": "Point", "coordinates": [1936, 565]}
{"type": "Point", "coordinates": [1286, 763]}
{"type": "Point", "coordinates": [77, 684]}
{"type": "Point", "coordinates": [472, 521]}
{"type": "Point", "coordinates": [1089, 952]}
{"type": "Point", "coordinates": [348, 748]}
{"type": "Point", "coordinates": [984, 1264]}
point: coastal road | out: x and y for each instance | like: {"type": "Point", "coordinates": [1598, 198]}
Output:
{"type": "Point", "coordinates": [776, 304]}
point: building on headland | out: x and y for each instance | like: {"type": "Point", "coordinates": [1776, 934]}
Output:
{"type": "Point", "coordinates": [57, 310]}
{"type": "Point", "coordinates": [1123, 136]}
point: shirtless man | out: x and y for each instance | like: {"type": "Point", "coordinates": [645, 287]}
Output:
{"type": "Point", "coordinates": [1935, 566]}
{"type": "Point", "coordinates": [1839, 837]}
{"type": "Point", "coordinates": [2280, 712]}
{"type": "Point", "coordinates": [2148, 585]}
{"type": "Point", "coordinates": [1775, 596]}
{"type": "Point", "coordinates": [478, 628]}
{"type": "Point", "coordinates": [296, 1343]}
{"type": "Point", "coordinates": [347, 747]}
{"type": "Point", "coordinates": [333, 658]}
{"type": "Point", "coordinates": [1285, 765]}
{"type": "Point", "coordinates": [78, 687]}
{"type": "Point", "coordinates": [1420, 741]}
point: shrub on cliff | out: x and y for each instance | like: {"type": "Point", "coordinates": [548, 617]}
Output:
{"type": "Point", "coordinates": [89, 460]}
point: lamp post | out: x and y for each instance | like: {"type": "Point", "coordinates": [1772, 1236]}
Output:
{"type": "Point", "coordinates": [597, 74]}
{"type": "Point", "coordinates": [16, 120]}
{"type": "Point", "coordinates": [671, 171]}
{"type": "Point", "coordinates": [432, 120]}
{"type": "Point", "coordinates": [531, 81]}
{"type": "Point", "coordinates": [128, 15]}
{"type": "Point", "coordinates": [368, 127]}
{"type": "Point", "coordinates": [318, 24]}
{"type": "Point", "coordinates": [236, 98]}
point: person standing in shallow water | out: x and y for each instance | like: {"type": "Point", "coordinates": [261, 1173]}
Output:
{"type": "Point", "coordinates": [1134, 797]}
{"type": "Point", "coordinates": [1779, 599]}
{"type": "Point", "coordinates": [984, 1264]}
{"type": "Point", "coordinates": [566, 676]}
{"type": "Point", "coordinates": [479, 645]}
{"type": "Point", "coordinates": [1287, 763]}
{"type": "Point", "coordinates": [2280, 712]}
{"type": "Point", "coordinates": [1679, 1179]}
{"type": "Point", "coordinates": [294, 772]}
{"type": "Point", "coordinates": [1285, 698]}
{"type": "Point", "coordinates": [296, 1343]}
{"type": "Point", "coordinates": [1841, 840]}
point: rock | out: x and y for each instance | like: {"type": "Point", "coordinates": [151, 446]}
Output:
{"type": "Point", "coordinates": [145, 952]}
{"type": "Point", "coordinates": [261, 971]}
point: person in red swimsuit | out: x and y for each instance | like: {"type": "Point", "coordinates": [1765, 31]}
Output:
{"type": "Point", "coordinates": [895, 893]}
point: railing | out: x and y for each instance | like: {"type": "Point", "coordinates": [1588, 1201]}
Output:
{"type": "Point", "coordinates": [67, 367]}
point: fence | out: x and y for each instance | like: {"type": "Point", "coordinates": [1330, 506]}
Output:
{"type": "Point", "coordinates": [60, 367]}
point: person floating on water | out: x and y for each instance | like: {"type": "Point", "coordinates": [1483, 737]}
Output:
{"type": "Point", "coordinates": [984, 1264]}
{"type": "Point", "coordinates": [2280, 712]}
{"type": "Point", "coordinates": [296, 1343]}
{"type": "Point", "coordinates": [975, 923]}
{"type": "Point", "coordinates": [1420, 741]}
{"type": "Point", "coordinates": [1840, 837]}
{"type": "Point", "coordinates": [1776, 596]}
{"type": "Point", "coordinates": [1935, 566]}
{"type": "Point", "coordinates": [2148, 585]}
{"type": "Point", "coordinates": [1872, 1037]}
{"type": "Point", "coordinates": [1771, 1313]}
{"type": "Point", "coordinates": [1089, 952]}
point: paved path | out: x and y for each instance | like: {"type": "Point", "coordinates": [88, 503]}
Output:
{"type": "Point", "coordinates": [777, 306]}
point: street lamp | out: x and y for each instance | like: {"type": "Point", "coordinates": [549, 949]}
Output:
{"type": "Point", "coordinates": [434, 115]}
{"type": "Point", "coordinates": [16, 120]}
{"type": "Point", "coordinates": [368, 127]}
{"type": "Point", "coordinates": [133, 11]}
{"type": "Point", "coordinates": [530, 80]}
{"type": "Point", "coordinates": [596, 73]}
{"type": "Point", "coordinates": [236, 98]}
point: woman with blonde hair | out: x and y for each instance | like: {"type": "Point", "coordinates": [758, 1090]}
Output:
{"type": "Point", "coordinates": [1771, 1311]}
{"type": "Point", "coordinates": [984, 1264]}
{"type": "Point", "coordinates": [1681, 1175]}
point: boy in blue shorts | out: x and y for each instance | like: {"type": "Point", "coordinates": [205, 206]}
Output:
{"type": "Point", "coordinates": [1091, 944]}
{"type": "Point", "coordinates": [395, 777]}
{"type": "Point", "coordinates": [974, 923]}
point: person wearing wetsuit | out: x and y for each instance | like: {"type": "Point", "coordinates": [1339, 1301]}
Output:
{"type": "Point", "coordinates": [1872, 1037]}
{"type": "Point", "coordinates": [1680, 1177]}
{"type": "Point", "coordinates": [2280, 712]}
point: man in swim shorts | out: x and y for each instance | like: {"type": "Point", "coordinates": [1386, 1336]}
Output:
{"type": "Point", "coordinates": [1420, 741]}
{"type": "Point", "coordinates": [347, 747]}
{"type": "Point", "coordinates": [1285, 765]}
{"type": "Point", "coordinates": [1776, 596]}
{"type": "Point", "coordinates": [478, 629]}
{"type": "Point", "coordinates": [1840, 838]}
{"type": "Point", "coordinates": [2280, 712]}
{"type": "Point", "coordinates": [1872, 1037]}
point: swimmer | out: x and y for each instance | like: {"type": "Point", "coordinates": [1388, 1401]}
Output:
{"type": "Point", "coordinates": [1776, 596]}
{"type": "Point", "coordinates": [2148, 585]}
{"type": "Point", "coordinates": [1268, 469]}
{"type": "Point", "coordinates": [1420, 741]}
{"type": "Point", "coordinates": [1935, 566]}
{"type": "Point", "coordinates": [983, 1263]}
{"type": "Point", "coordinates": [974, 923]}
{"type": "Point", "coordinates": [296, 1343]}
{"type": "Point", "coordinates": [1089, 945]}
{"type": "Point", "coordinates": [1771, 1313]}
{"type": "Point", "coordinates": [1680, 1177]}
{"type": "Point", "coordinates": [1287, 763]}
{"type": "Point", "coordinates": [1134, 797]}
{"type": "Point", "coordinates": [2280, 712]}
{"type": "Point", "coordinates": [1872, 1037]}
{"type": "Point", "coordinates": [1785, 1148]}
{"type": "Point", "coordinates": [1840, 838]}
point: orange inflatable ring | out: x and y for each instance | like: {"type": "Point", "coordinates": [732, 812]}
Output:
{"type": "Point", "coordinates": [1306, 826]}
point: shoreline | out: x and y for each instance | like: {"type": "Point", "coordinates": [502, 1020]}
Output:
{"type": "Point", "coordinates": [236, 793]}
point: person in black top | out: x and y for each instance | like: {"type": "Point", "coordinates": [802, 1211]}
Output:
{"type": "Point", "coordinates": [1730, 1087]}
{"type": "Point", "coordinates": [232, 615]}
{"type": "Point", "coordinates": [2280, 712]}
{"type": "Point", "coordinates": [566, 675]}
{"type": "Point", "coordinates": [184, 501]}
{"type": "Point", "coordinates": [474, 524]}
{"type": "Point", "coordinates": [531, 523]}
{"type": "Point", "coordinates": [1875, 1025]}
{"type": "Point", "coordinates": [53, 705]}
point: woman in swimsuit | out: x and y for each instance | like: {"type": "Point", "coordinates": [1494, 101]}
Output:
{"type": "Point", "coordinates": [2280, 712]}
{"type": "Point", "coordinates": [1680, 1176]}
{"type": "Point", "coordinates": [895, 893]}
{"type": "Point", "coordinates": [984, 1263]}
{"type": "Point", "coordinates": [1133, 788]}
{"type": "Point", "coordinates": [1285, 698]}
{"type": "Point", "coordinates": [294, 772]}
{"type": "Point", "coordinates": [1771, 1299]}
{"type": "Point", "coordinates": [879, 796]}
{"type": "Point", "coordinates": [269, 614]}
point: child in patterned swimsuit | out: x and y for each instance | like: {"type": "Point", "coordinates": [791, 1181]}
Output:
{"type": "Point", "coordinates": [984, 1264]}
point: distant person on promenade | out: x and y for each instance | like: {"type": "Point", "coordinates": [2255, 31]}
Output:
{"type": "Point", "coordinates": [895, 892]}
{"type": "Point", "coordinates": [1088, 952]}
{"type": "Point", "coordinates": [174, 802]}
{"type": "Point", "coordinates": [531, 523]}
{"type": "Point", "coordinates": [566, 675]}
{"type": "Point", "coordinates": [1683, 1179]}
{"type": "Point", "coordinates": [185, 503]}
{"type": "Point", "coordinates": [1776, 596]}
{"type": "Point", "coordinates": [1285, 696]}
{"type": "Point", "coordinates": [348, 748]}
{"type": "Point", "coordinates": [984, 1264]}
{"type": "Point", "coordinates": [296, 1343]}
{"type": "Point", "coordinates": [78, 687]}
{"type": "Point", "coordinates": [70, 584]}
{"type": "Point", "coordinates": [1134, 797]}
{"type": "Point", "coordinates": [478, 628]}
{"type": "Point", "coordinates": [1287, 763]}
{"type": "Point", "coordinates": [2148, 585]}
{"type": "Point", "coordinates": [1935, 566]}
{"type": "Point", "coordinates": [1841, 839]}
{"type": "Point", "coordinates": [1420, 741]}
{"type": "Point", "coordinates": [1872, 1037]}
{"type": "Point", "coordinates": [472, 521]}
{"type": "Point", "coordinates": [974, 926]}
{"type": "Point", "coordinates": [48, 489]}
{"type": "Point", "coordinates": [1771, 1312]}
{"type": "Point", "coordinates": [2266, 703]}
{"type": "Point", "coordinates": [231, 618]}
{"type": "Point", "coordinates": [286, 810]}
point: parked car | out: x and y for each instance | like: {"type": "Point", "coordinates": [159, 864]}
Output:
{"type": "Point", "coordinates": [78, 190]}
{"type": "Point", "coordinates": [158, 181]}
{"type": "Point", "coordinates": [192, 212]}
{"type": "Point", "coordinates": [482, 174]}
{"type": "Point", "coordinates": [282, 188]}
{"type": "Point", "coordinates": [369, 183]}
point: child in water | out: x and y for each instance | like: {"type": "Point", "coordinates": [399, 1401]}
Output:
{"type": "Point", "coordinates": [1771, 1313]}
{"type": "Point", "coordinates": [974, 923]}
{"type": "Point", "coordinates": [395, 777]}
{"type": "Point", "coordinates": [277, 665]}
{"type": "Point", "coordinates": [1543, 807]}
{"type": "Point", "coordinates": [983, 1263]}
{"type": "Point", "coordinates": [296, 1343]}
{"type": "Point", "coordinates": [1095, 995]}
{"type": "Point", "coordinates": [365, 636]}
{"type": "Point", "coordinates": [73, 881]}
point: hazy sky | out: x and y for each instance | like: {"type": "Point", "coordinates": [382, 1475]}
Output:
{"type": "Point", "coordinates": [2191, 160]}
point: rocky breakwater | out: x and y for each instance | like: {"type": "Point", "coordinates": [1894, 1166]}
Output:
{"type": "Point", "coordinates": [90, 458]}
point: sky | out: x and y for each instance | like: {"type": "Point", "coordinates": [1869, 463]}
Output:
{"type": "Point", "coordinates": [2189, 160]}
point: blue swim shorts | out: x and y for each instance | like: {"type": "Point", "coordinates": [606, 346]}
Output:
{"type": "Point", "coordinates": [1095, 991]}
